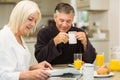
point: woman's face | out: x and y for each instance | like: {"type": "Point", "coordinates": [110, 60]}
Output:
{"type": "Point", "coordinates": [25, 28]}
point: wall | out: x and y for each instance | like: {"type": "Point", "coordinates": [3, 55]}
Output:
{"type": "Point", "coordinates": [109, 20]}
{"type": "Point", "coordinates": [47, 9]}
{"type": "Point", "coordinates": [114, 23]}
{"type": "Point", "coordinates": [100, 17]}
{"type": "Point", "coordinates": [4, 14]}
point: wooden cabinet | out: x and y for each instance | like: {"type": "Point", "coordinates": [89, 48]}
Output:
{"type": "Point", "coordinates": [92, 4]}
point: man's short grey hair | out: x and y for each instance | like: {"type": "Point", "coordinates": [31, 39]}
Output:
{"type": "Point", "coordinates": [64, 8]}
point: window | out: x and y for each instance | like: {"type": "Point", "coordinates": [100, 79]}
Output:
{"type": "Point", "coordinates": [83, 18]}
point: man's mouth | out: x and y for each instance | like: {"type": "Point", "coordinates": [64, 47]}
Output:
{"type": "Point", "coordinates": [63, 29]}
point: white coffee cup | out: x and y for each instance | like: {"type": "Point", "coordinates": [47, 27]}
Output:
{"type": "Point", "coordinates": [72, 38]}
{"type": "Point", "coordinates": [88, 71]}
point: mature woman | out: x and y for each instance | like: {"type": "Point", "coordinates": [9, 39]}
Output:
{"type": "Point", "coordinates": [14, 54]}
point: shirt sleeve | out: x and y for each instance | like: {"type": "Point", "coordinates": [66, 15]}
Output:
{"type": "Point", "coordinates": [45, 48]}
{"type": "Point", "coordinates": [89, 54]}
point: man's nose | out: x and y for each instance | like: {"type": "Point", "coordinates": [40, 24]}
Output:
{"type": "Point", "coordinates": [64, 24]}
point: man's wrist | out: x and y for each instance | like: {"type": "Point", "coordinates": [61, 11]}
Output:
{"type": "Point", "coordinates": [85, 46]}
{"type": "Point", "coordinates": [55, 41]}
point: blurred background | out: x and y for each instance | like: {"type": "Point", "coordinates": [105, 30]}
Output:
{"type": "Point", "coordinates": [99, 18]}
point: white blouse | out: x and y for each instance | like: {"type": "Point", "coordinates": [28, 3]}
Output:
{"type": "Point", "coordinates": [14, 58]}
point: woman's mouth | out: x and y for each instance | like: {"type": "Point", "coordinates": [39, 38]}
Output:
{"type": "Point", "coordinates": [28, 28]}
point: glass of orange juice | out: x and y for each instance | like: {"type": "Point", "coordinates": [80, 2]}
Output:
{"type": "Point", "coordinates": [115, 61]}
{"type": "Point", "coordinates": [77, 60]}
{"type": "Point", "coordinates": [114, 65]}
{"type": "Point", "coordinates": [100, 59]}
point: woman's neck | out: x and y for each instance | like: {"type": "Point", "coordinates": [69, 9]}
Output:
{"type": "Point", "coordinates": [19, 40]}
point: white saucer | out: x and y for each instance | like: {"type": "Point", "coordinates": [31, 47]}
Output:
{"type": "Point", "coordinates": [103, 76]}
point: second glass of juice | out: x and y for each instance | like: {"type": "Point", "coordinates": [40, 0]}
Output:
{"type": "Point", "coordinates": [100, 59]}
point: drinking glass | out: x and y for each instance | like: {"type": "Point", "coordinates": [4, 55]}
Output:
{"type": "Point", "coordinates": [77, 60]}
{"type": "Point", "coordinates": [100, 59]}
{"type": "Point", "coordinates": [114, 63]}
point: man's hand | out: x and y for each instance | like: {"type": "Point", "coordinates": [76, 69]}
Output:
{"type": "Point", "coordinates": [61, 37]}
{"type": "Point", "coordinates": [82, 37]}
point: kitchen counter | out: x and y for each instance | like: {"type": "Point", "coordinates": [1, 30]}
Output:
{"type": "Point", "coordinates": [95, 39]}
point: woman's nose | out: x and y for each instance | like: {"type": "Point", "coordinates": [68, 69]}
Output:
{"type": "Point", "coordinates": [33, 23]}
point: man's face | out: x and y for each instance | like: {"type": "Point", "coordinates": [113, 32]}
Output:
{"type": "Point", "coordinates": [63, 21]}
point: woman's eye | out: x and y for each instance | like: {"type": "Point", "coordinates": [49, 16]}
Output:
{"type": "Point", "coordinates": [32, 20]}
{"type": "Point", "coordinates": [29, 19]}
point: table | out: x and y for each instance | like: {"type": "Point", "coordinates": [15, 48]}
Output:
{"type": "Point", "coordinates": [115, 77]}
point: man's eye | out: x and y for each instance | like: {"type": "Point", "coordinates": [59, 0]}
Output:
{"type": "Point", "coordinates": [62, 20]}
{"type": "Point", "coordinates": [29, 19]}
{"type": "Point", "coordinates": [69, 21]}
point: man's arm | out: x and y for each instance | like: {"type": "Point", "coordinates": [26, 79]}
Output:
{"type": "Point", "coordinates": [89, 54]}
{"type": "Point", "coordinates": [45, 48]}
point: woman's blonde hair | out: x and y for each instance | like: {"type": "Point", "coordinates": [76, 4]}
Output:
{"type": "Point", "coordinates": [21, 12]}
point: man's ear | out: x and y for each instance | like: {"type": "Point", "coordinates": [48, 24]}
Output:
{"type": "Point", "coordinates": [54, 17]}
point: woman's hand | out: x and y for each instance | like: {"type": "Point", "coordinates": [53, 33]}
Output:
{"type": "Point", "coordinates": [38, 74]}
{"type": "Point", "coordinates": [42, 65]}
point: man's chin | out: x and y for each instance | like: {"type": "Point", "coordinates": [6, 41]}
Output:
{"type": "Point", "coordinates": [63, 31]}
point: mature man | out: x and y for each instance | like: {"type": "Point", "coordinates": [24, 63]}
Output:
{"type": "Point", "coordinates": [52, 41]}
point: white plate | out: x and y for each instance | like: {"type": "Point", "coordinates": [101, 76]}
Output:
{"type": "Point", "coordinates": [102, 76]}
{"type": "Point", "coordinates": [56, 72]}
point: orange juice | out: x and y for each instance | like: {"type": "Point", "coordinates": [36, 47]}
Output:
{"type": "Point", "coordinates": [99, 59]}
{"type": "Point", "coordinates": [114, 65]}
{"type": "Point", "coordinates": [77, 64]}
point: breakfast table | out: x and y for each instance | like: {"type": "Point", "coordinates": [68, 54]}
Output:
{"type": "Point", "coordinates": [115, 76]}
